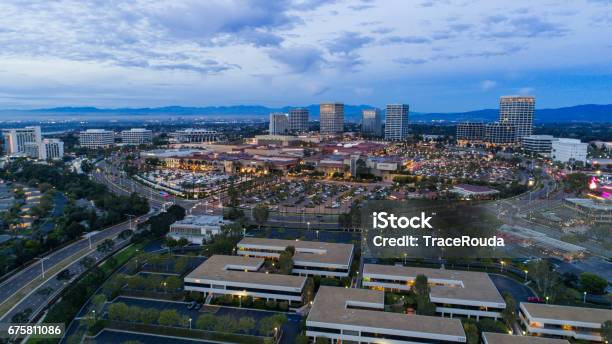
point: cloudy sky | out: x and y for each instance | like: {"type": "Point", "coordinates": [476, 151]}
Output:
{"type": "Point", "coordinates": [436, 55]}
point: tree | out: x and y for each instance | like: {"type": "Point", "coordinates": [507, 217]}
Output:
{"type": "Point", "coordinates": [246, 324]}
{"type": "Point", "coordinates": [509, 313]}
{"type": "Point", "coordinates": [206, 322]}
{"type": "Point", "coordinates": [171, 243]}
{"type": "Point", "coordinates": [592, 283]}
{"type": "Point", "coordinates": [182, 242]}
{"type": "Point", "coordinates": [471, 332]}
{"type": "Point", "coordinates": [64, 275]}
{"type": "Point", "coordinates": [309, 290]}
{"type": "Point", "coordinates": [87, 262]}
{"type": "Point", "coordinates": [421, 289]}
{"type": "Point", "coordinates": [285, 260]}
{"type": "Point", "coordinates": [545, 278]}
{"type": "Point", "coordinates": [169, 317]}
{"type": "Point", "coordinates": [118, 311]}
{"type": "Point", "coordinates": [260, 214]}
{"type": "Point", "coordinates": [134, 313]}
{"type": "Point", "coordinates": [321, 340]}
{"type": "Point", "coordinates": [173, 283]}
{"type": "Point", "coordinates": [268, 325]}
{"type": "Point", "coordinates": [226, 323]}
{"type": "Point", "coordinates": [606, 331]}
{"type": "Point", "coordinates": [98, 302]}
{"type": "Point", "coordinates": [149, 315]}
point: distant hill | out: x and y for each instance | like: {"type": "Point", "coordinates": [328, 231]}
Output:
{"type": "Point", "coordinates": [578, 113]}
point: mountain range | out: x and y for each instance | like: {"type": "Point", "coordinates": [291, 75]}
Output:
{"type": "Point", "coordinates": [578, 113]}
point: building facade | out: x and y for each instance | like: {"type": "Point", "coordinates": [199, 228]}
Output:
{"type": "Point", "coordinates": [396, 122]}
{"type": "Point", "coordinates": [96, 138]}
{"type": "Point", "coordinates": [193, 135]}
{"type": "Point", "coordinates": [497, 133]}
{"type": "Point", "coordinates": [470, 132]}
{"type": "Point", "coordinates": [371, 122]}
{"type": "Point", "coordinates": [568, 150]}
{"type": "Point", "coordinates": [51, 149]}
{"type": "Point", "coordinates": [197, 229]}
{"type": "Point", "coordinates": [331, 118]}
{"type": "Point", "coordinates": [14, 140]}
{"type": "Point", "coordinates": [298, 120]}
{"type": "Point", "coordinates": [137, 136]}
{"type": "Point", "coordinates": [311, 258]}
{"type": "Point", "coordinates": [279, 124]}
{"type": "Point", "coordinates": [539, 144]}
{"type": "Point", "coordinates": [518, 111]}
{"type": "Point", "coordinates": [579, 323]}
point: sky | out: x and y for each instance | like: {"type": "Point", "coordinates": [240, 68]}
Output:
{"type": "Point", "coordinates": [436, 56]}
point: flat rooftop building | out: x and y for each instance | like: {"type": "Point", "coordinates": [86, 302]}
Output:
{"type": "Point", "coordinates": [500, 338]}
{"type": "Point", "coordinates": [241, 276]}
{"type": "Point", "coordinates": [455, 293]}
{"type": "Point", "coordinates": [564, 321]}
{"type": "Point", "coordinates": [349, 314]}
{"type": "Point", "coordinates": [310, 258]}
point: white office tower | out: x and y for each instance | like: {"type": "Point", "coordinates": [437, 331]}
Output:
{"type": "Point", "coordinates": [332, 118]}
{"type": "Point", "coordinates": [137, 136]}
{"type": "Point", "coordinates": [51, 149]}
{"type": "Point", "coordinates": [396, 123]}
{"type": "Point", "coordinates": [298, 120]}
{"type": "Point", "coordinates": [279, 124]}
{"type": "Point", "coordinates": [568, 150]}
{"type": "Point", "coordinates": [14, 140]}
{"type": "Point", "coordinates": [371, 122]}
{"type": "Point", "coordinates": [96, 138]}
{"type": "Point", "coordinates": [517, 111]}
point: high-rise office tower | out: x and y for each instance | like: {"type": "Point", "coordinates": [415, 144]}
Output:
{"type": "Point", "coordinates": [298, 120]}
{"type": "Point", "coordinates": [371, 123]}
{"type": "Point", "coordinates": [396, 123]}
{"type": "Point", "coordinates": [15, 140]}
{"type": "Point", "coordinates": [51, 149]}
{"type": "Point", "coordinates": [279, 124]}
{"type": "Point", "coordinates": [332, 118]}
{"type": "Point", "coordinates": [517, 111]}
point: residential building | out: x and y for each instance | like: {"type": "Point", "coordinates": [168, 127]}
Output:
{"type": "Point", "coordinates": [279, 124]}
{"type": "Point", "coordinates": [470, 132]}
{"type": "Point", "coordinates": [371, 122]}
{"type": "Point", "coordinates": [298, 120]}
{"type": "Point", "coordinates": [96, 138]}
{"type": "Point", "coordinates": [569, 150]}
{"type": "Point", "coordinates": [358, 315]}
{"type": "Point", "coordinates": [137, 136]}
{"type": "Point", "coordinates": [455, 293]}
{"type": "Point", "coordinates": [242, 277]}
{"type": "Point", "coordinates": [331, 118]}
{"type": "Point", "coordinates": [396, 122]}
{"type": "Point", "coordinates": [517, 111]}
{"type": "Point", "coordinates": [51, 149]}
{"type": "Point", "coordinates": [310, 257]}
{"type": "Point", "coordinates": [192, 135]}
{"type": "Point", "coordinates": [502, 338]}
{"type": "Point", "coordinates": [539, 144]}
{"type": "Point", "coordinates": [579, 323]}
{"type": "Point", "coordinates": [14, 140]}
{"type": "Point", "coordinates": [197, 229]}
{"type": "Point", "coordinates": [498, 133]}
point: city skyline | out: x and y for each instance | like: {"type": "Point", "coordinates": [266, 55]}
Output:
{"type": "Point", "coordinates": [303, 52]}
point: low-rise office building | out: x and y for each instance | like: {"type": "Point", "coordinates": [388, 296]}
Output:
{"type": "Point", "coordinates": [568, 150]}
{"type": "Point", "coordinates": [310, 258]}
{"type": "Point", "coordinates": [197, 229]}
{"type": "Point", "coordinates": [539, 144]}
{"type": "Point", "coordinates": [96, 138]}
{"type": "Point", "coordinates": [455, 293]}
{"type": "Point", "coordinates": [500, 338]}
{"type": "Point", "coordinates": [137, 136]}
{"type": "Point", "coordinates": [242, 277]}
{"type": "Point", "coordinates": [350, 314]}
{"type": "Point", "coordinates": [564, 321]}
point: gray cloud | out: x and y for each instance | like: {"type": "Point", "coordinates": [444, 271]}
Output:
{"type": "Point", "coordinates": [299, 59]}
{"type": "Point", "coordinates": [409, 61]}
{"type": "Point", "coordinates": [405, 40]}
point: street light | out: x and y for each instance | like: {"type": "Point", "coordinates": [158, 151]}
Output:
{"type": "Point", "coordinates": [317, 234]}
{"type": "Point", "coordinates": [584, 297]}
{"type": "Point", "coordinates": [190, 323]}
{"type": "Point", "coordinates": [526, 272]}
{"type": "Point", "coordinates": [42, 265]}
{"type": "Point", "coordinates": [501, 268]}
{"type": "Point", "coordinates": [547, 299]}
{"type": "Point", "coordinates": [239, 301]}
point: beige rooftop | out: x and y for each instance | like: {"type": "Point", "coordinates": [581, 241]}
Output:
{"type": "Point", "coordinates": [556, 312]}
{"type": "Point", "coordinates": [470, 285]}
{"type": "Point", "coordinates": [306, 251]}
{"type": "Point", "coordinates": [500, 338]}
{"type": "Point", "coordinates": [238, 269]}
{"type": "Point", "coordinates": [330, 306]}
